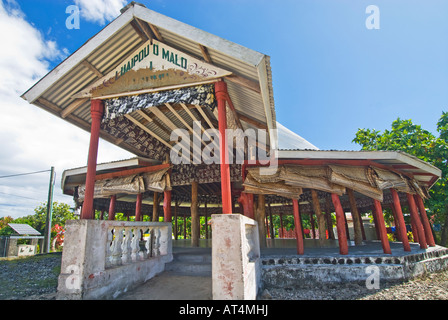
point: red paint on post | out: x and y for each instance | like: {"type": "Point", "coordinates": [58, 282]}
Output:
{"type": "Point", "coordinates": [167, 206]}
{"type": "Point", "coordinates": [96, 111]}
{"type": "Point", "coordinates": [113, 200]}
{"type": "Point", "coordinates": [340, 224]}
{"type": "Point", "coordinates": [138, 208]}
{"type": "Point", "coordinates": [400, 219]}
{"type": "Point", "coordinates": [298, 226]}
{"type": "Point", "coordinates": [417, 221]}
{"type": "Point", "coordinates": [378, 212]}
{"type": "Point", "coordinates": [226, 192]}
{"type": "Point", "coordinates": [246, 200]}
{"type": "Point", "coordinates": [426, 224]}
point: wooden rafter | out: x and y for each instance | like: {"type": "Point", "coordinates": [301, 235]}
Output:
{"type": "Point", "coordinates": [205, 53]}
{"type": "Point", "coordinates": [156, 32]}
{"type": "Point", "coordinates": [177, 115]}
{"type": "Point", "coordinates": [206, 118]}
{"type": "Point", "coordinates": [251, 121]}
{"type": "Point", "coordinates": [169, 124]}
{"type": "Point", "coordinates": [249, 84]}
{"type": "Point", "coordinates": [144, 27]}
{"type": "Point", "coordinates": [72, 107]}
{"type": "Point", "coordinates": [143, 36]}
{"type": "Point", "coordinates": [129, 172]}
{"type": "Point", "coordinates": [92, 69]}
{"type": "Point", "coordinates": [140, 125]}
{"type": "Point", "coordinates": [193, 117]}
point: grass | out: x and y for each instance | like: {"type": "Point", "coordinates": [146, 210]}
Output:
{"type": "Point", "coordinates": [23, 277]}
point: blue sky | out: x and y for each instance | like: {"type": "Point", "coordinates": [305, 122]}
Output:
{"type": "Point", "coordinates": [331, 74]}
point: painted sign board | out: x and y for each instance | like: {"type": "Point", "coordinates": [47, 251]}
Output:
{"type": "Point", "coordinates": [153, 65]}
{"type": "Point", "coordinates": [26, 250]}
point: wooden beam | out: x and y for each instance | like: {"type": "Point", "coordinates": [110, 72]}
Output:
{"type": "Point", "coordinates": [206, 118]}
{"type": "Point", "coordinates": [144, 27]}
{"type": "Point", "coordinates": [252, 121]}
{"type": "Point", "coordinates": [320, 217]}
{"type": "Point", "coordinates": [144, 115]}
{"type": "Point", "coordinates": [129, 172]}
{"type": "Point", "coordinates": [205, 53]}
{"type": "Point", "coordinates": [143, 36]}
{"type": "Point", "coordinates": [378, 211]}
{"type": "Point", "coordinates": [167, 121]}
{"type": "Point", "coordinates": [139, 124]}
{"type": "Point", "coordinates": [357, 223]}
{"type": "Point", "coordinates": [156, 32]}
{"type": "Point", "coordinates": [72, 107]}
{"type": "Point", "coordinates": [193, 117]}
{"type": "Point", "coordinates": [400, 218]}
{"type": "Point", "coordinates": [249, 84]}
{"type": "Point", "coordinates": [155, 207]}
{"type": "Point", "coordinates": [49, 105]}
{"type": "Point", "coordinates": [298, 227]}
{"type": "Point", "coordinates": [235, 114]}
{"type": "Point", "coordinates": [92, 69]}
{"type": "Point", "coordinates": [340, 224]}
{"type": "Point", "coordinates": [195, 222]}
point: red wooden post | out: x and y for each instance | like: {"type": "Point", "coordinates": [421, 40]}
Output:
{"type": "Point", "coordinates": [340, 224]}
{"type": "Point", "coordinates": [226, 192]}
{"type": "Point", "coordinates": [96, 111]}
{"type": "Point", "coordinates": [400, 218]}
{"type": "Point", "coordinates": [313, 227]}
{"type": "Point", "coordinates": [424, 216]}
{"type": "Point", "coordinates": [167, 217]}
{"type": "Point", "coordinates": [397, 226]}
{"type": "Point", "coordinates": [138, 208]}
{"type": "Point", "coordinates": [298, 226]}
{"type": "Point", "coordinates": [246, 200]}
{"type": "Point", "coordinates": [378, 212]}
{"type": "Point", "coordinates": [417, 221]}
{"type": "Point", "coordinates": [111, 212]}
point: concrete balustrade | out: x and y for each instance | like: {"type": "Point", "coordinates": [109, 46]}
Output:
{"type": "Point", "coordinates": [102, 259]}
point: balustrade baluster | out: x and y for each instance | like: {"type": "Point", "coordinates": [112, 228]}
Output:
{"type": "Point", "coordinates": [156, 242]}
{"type": "Point", "coordinates": [126, 246]}
{"type": "Point", "coordinates": [116, 247]}
{"type": "Point", "coordinates": [148, 244]}
{"type": "Point", "coordinates": [135, 244]}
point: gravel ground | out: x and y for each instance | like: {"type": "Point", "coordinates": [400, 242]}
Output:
{"type": "Point", "coordinates": [31, 278]}
{"type": "Point", "coordinates": [431, 287]}
{"type": "Point", "coordinates": [35, 278]}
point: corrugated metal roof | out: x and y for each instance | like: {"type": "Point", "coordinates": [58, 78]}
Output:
{"type": "Point", "coordinates": [24, 229]}
{"type": "Point", "coordinates": [117, 40]}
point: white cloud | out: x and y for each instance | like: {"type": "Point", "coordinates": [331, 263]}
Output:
{"type": "Point", "coordinates": [100, 11]}
{"type": "Point", "coordinates": [30, 138]}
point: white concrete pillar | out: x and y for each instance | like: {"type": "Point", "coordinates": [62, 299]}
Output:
{"type": "Point", "coordinates": [236, 268]}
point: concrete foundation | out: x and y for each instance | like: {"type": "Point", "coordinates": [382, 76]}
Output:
{"type": "Point", "coordinates": [281, 268]}
{"type": "Point", "coordinates": [84, 271]}
{"type": "Point", "coordinates": [236, 258]}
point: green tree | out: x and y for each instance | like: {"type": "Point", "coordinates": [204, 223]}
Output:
{"type": "Point", "coordinates": [61, 213]}
{"type": "Point", "coordinates": [412, 139]}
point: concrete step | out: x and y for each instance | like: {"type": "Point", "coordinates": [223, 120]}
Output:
{"type": "Point", "coordinates": [190, 263]}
